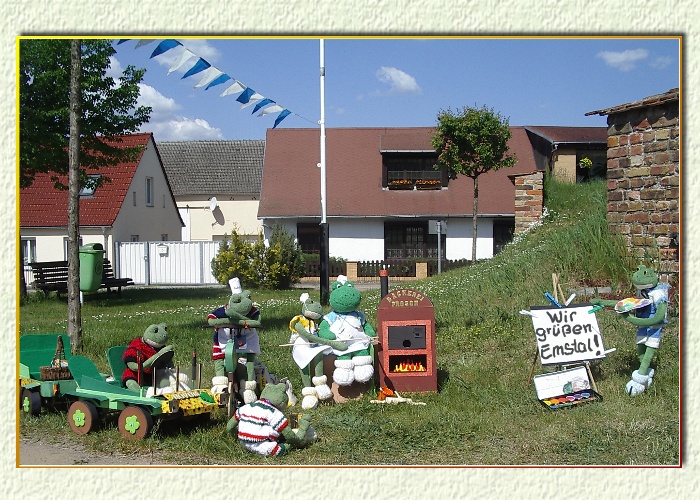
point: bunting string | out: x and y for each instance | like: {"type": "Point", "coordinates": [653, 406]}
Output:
{"type": "Point", "coordinates": [210, 76]}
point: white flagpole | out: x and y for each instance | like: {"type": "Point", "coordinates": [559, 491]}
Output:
{"type": "Point", "coordinates": [322, 121]}
{"type": "Point", "coordinates": [324, 257]}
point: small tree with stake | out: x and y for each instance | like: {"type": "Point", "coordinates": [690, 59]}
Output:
{"type": "Point", "coordinates": [471, 142]}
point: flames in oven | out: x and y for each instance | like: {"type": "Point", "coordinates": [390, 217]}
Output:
{"type": "Point", "coordinates": [409, 366]}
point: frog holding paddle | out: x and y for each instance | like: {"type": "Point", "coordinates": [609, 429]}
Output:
{"type": "Point", "coordinates": [649, 319]}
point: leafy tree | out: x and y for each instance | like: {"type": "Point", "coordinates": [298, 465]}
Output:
{"type": "Point", "coordinates": [471, 142]}
{"type": "Point", "coordinates": [108, 108]}
{"type": "Point", "coordinates": [70, 114]}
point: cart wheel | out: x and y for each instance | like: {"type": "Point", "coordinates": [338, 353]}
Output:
{"type": "Point", "coordinates": [82, 417]}
{"type": "Point", "coordinates": [30, 402]}
{"type": "Point", "coordinates": [135, 422]}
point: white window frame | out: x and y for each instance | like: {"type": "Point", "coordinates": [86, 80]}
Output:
{"type": "Point", "coordinates": [149, 191]}
{"type": "Point", "coordinates": [28, 250]}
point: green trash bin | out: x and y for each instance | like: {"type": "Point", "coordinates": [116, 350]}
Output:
{"type": "Point", "coordinates": [91, 264]}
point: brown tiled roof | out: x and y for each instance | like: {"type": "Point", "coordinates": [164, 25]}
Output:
{"type": "Point", "coordinates": [41, 205]}
{"type": "Point", "coordinates": [571, 135]}
{"type": "Point", "coordinates": [654, 100]}
{"type": "Point", "coordinates": [212, 167]}
{"type": "Point", "coordinates": [291, 177]}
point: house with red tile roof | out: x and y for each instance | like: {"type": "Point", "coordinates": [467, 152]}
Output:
{"type": "Point", "coordinates": [137, 204]}
{"type": "Point", "coordinates": [382, 194]}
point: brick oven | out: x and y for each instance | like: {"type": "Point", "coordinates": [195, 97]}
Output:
{"type": "Point", "coordinates": [406, 349]}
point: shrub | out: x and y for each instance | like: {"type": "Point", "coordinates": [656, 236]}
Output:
{"type": "Point", "coordinates": [276, 264]}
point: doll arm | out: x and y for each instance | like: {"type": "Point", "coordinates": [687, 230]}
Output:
{"type": "Point", "coordinates": [313, 339]}
{"type": "Point", "coordinates": [294, 438]}
{"type": "Point", "coordinates": [656, 319]}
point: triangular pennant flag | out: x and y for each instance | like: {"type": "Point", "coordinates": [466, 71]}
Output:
{"type": "Point", "coordinates": [245, 96]}
{"type": "Point", "coordinates": [281, 117]}
{"type": "Point", "coordinates": [233, 89]}
{"type": "Point", "coordinates": [252, 100]}
{"type": "Point", "coordinates": [272, 109]}
{"type": "Point", "coordinates": [209, 75]}
{"type": "Point", "coordinates": [165, 46]}
{"type": "Point", "coordinates": [143, 42]}
{"type": "Point", "coordinates": [218, 80]}
{"type": "Point", "coordinates": [186, 56]}
{"type": "Point", "coordinates": [199, 66]}
{"type": "Point", "coordinates": [261, 104]}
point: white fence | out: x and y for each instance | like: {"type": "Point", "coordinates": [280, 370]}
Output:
{"type": "Point", "coordinates": [166, 262]}
{"type": "Point", "coordinates": [161, 263]}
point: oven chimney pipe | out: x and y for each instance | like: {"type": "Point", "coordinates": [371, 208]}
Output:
{"type": "Point", "coordinates": [384, 281]}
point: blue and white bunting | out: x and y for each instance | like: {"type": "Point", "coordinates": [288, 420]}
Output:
{"type": "Point", "coordinates": [211, 76]}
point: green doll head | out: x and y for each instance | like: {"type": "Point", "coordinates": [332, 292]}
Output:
{"type": "Point", "coordinates": [276, 394]}
{"type": "Point", "coordinates": [239, 304]}
{"type": "Point", "coordinates": [156, 335]}
{"type": "Point", "coordinates": [344, 296]}
{"type": "Point", "coordinates": [645, 278]}
{"type": "Point", "coordinates": [310, 308]}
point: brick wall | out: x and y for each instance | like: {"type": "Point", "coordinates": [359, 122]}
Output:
{"type": "Point", "coordinates": [529, 192]}
{"type": "Point", "coordinates": [644, 182]}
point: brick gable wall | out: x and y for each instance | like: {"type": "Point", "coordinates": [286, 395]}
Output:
{"type": "Point", "coordinates": [643, 180]}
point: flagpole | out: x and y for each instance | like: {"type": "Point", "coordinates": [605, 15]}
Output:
{"type": "Point", "coordinates": [324, 257]}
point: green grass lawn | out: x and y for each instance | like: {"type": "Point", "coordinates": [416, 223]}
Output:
{"type": "Point", "coordinates": [486, 411]}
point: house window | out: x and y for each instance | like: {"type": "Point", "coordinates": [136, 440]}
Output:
{"type": "Point", "coordinates": [411, 240]}
{"type": "Point", "coordinates": [164, 237]}
{"type": "Point", "coordinates": [28, 248]}
{"type": "Point", "coordinates": [407, 169]}
{"type": "Point", "coordinates": [90, 186]}
{"type": "Point", "coordinates": [134, 238]}
{"type": "Point", "coordinates": [598, 168]}
{"type": "Point", "coordinates": [309, 238]}
{"type": "Point", "coordinates": [502, 233]}
{"type": "Point", "coordinates": [149, 191]}
{"type": "Point", "coordinates": [133, 193]}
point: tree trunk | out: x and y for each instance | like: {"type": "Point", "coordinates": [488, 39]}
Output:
{"type": "Point", "coordinates": [476, 203]}
{"type": "Point", "coordinates": [75, 328]}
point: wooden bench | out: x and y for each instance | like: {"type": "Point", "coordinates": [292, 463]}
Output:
{"type": "Point", "coordinates": [53, 277]}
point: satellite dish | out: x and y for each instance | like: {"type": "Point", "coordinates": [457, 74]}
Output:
{"type": "Point", "coordinates": [213, 203]}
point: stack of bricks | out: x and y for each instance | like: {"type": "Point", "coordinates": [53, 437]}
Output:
{"type": "Point", "coordinates": [528, 199]}
{"type": "Point", "coordinates": [644, 179]}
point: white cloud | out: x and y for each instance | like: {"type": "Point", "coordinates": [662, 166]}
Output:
{"type": "Point", "coordinates": [399, 82]}
{"type": "Point", "coordinates": [661, 62]}
{"type": "Point", "coordinates": [167, 125]}
{"type": "Point", "coordinates": [624, 61]}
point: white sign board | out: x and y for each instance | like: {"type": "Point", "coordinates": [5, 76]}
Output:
{"type": "Point", "coordinates": [550, 385]}
{"type": "Point", "coordinates": [567, 334]}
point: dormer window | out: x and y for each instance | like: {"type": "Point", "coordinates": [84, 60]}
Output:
{"type": "Point", "coordinates": [409, 170]}
{"type": "Point", "coordinates": [90, 186]}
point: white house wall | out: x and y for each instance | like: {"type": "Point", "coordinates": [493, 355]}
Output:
{"type": "Point", "coordinates": [203, 224]}
{"type": "Point", "coordinates": [148, 222]}
{"type": "Point", "coordinates": [50, 241]}
{"type": "Point", "coordinates": [363, 239]}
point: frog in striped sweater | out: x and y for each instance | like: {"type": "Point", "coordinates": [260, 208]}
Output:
{"type": "Point", "coordinates": [263, 428]}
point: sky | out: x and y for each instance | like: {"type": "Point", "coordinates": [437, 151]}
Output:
{"type": "Point", "coordinates": [392, 82]}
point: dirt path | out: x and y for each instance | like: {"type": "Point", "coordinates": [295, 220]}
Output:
{"type": "Point", "coordinates": [39, 453]}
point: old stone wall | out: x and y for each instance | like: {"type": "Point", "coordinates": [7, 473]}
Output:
{"type": "Point", "coordinates": [529, 197]}
{"type": "Point", "coordinates": [643, 179]}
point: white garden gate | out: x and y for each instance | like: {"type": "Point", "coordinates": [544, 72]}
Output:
{"type": "Point", "coordinates": [166, 262]}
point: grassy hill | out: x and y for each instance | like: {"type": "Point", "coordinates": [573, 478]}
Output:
{"type": "Point", "coordinates": [486, 411]}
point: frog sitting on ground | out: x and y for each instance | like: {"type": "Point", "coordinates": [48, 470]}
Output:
{"type": "Point", "coordinates": [150, 349]}
{"type": "Point", "coordinates": [261, 427]}
{"type": "Point", "coordinates": [649, 321]}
